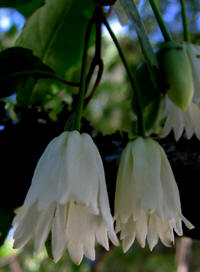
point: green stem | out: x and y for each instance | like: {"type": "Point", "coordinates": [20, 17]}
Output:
{"type": "Point", "coordinates": [186, 31]}
{"type": "Point", "coordinates": [97, 61]}
{"type": "Point", "coordinates": [76, 124]}
{"type": "Point", "coordinates": [141, 127]}
{"type": "Point", "coordinates": [164, 29]}
{"type": "Point", "coordinates": [96, 84]}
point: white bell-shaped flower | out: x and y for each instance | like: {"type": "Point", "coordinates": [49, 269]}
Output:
{"type": "Point", "coordinates": [180, 121]}
{"type": "Point", "coordinates": [147, 201]}
{"type": "Point", "coordinates": [193, 52]}
{"type": "Point", "coordinates": [67, 197]}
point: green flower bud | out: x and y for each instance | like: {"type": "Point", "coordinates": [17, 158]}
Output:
{"type": "Point", "coordinates": [176, 72]}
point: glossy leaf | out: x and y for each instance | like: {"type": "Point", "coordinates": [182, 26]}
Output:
{"type": "Point", "coordinates": [17, 65]}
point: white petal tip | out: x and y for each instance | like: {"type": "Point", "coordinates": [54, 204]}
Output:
{"type": "Point", "coordinates": [113, 238]}
{"type": "Point", "coordinates": [125, 249]}
{"type": "Point", "coordinates": [77, 262]}
{"type": "Point", "coordinates": [55, 259]}
{"type": "Point", "coordinates": [169, 243]}
{"type": "Point", "coordinates": [151, 247]}
{"type": "Point", "coordinates": [141, 243]}
{"type": "Point", "coordinates": [190, 226]}
{"type": "Point", "coordinates": [187, 223]}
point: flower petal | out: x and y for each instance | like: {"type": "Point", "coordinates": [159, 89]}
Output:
{"type": "Point", "coordinates": [43, 226]}
{"type": "Point", "coordinates": [58, 232]}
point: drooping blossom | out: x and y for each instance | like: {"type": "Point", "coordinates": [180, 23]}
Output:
{"type": "Point", "coordinates": [67, 197]}
{"type": "Point", "coordinates": [147, 201]}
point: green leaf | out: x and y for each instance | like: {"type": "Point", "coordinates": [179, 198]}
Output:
{"type": "Point", "coordinates": [17, 65]}
{"type": "Point", "coordinates": [6, 250]}
{"type": "Point", "coordinates": [25, 7]}
{"type": "Point", "coordinates": [13, 3]}
{"type": "Point", "coordinates": [24, 96]}
{"type": "Point", "coordinates": [153, 113]}
{"type": "Point", "coordinates": [151, 98]}
{"type": "Point", "coordinates": [58, 37]}
{"type": "Point", "coordinates": [29, 7]}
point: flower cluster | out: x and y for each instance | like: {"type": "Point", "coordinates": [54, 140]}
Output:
{"type": "Point", "coordinates": [68, 198]}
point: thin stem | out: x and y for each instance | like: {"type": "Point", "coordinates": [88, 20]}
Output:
{"type": "Point", "coordinates": [96, 84]}
{"type": "Point", "coordinates": [186, 31]}
{"type": "Point", "coordinates": [40, 73]}
{"type": "Point", "coordinates": [76, 125]}
{"type": "Point", "coordinates": [97, 60]}
{"type": "Point", "coordinates": [164, 29]}
{"type": "Point", "coordinates": [141, 127]}
{"type": "Point", "coordinates": [98, 33]}
{"type": "Point", "coordinates": [90, 73]}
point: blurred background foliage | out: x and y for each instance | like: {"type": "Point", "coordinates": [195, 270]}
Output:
{"type": "Point", "coordinates": [41, 108]}
{"type": "Point", "coordinates": [162, 259]}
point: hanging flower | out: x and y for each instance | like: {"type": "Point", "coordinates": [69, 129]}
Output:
{"type": "Point", "coordinates": [68, 197]}
{"type": "Point", "coordinates": [180, 121]}
{"type": "Point", "coordinates": [147, 202]}
{"type": "Point", "coordinates": [193, 52]}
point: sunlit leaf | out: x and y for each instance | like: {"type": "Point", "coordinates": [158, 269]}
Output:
{"type": "Point", "coordinates": [56, 32]}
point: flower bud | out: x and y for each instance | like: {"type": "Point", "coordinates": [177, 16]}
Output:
{"type": "Point", "coordinates": [176, 71]}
